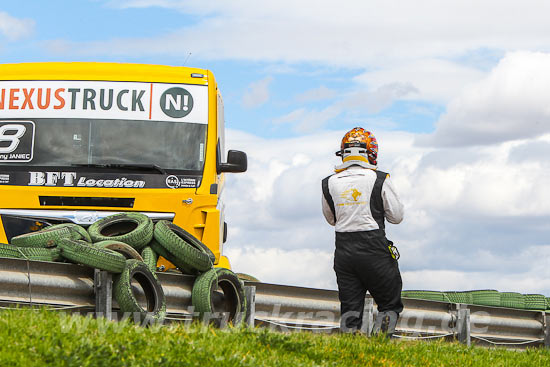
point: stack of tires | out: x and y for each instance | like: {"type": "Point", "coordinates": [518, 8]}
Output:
{"type": "Point", "coordinates": [486, 297]}
{"type": "Point", "coordinates": [128, 245]}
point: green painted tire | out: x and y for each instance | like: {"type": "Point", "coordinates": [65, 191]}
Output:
{"type": "Point", "coordinates": [135, 229]}
{"type": "Point", "coordinates": [247, 277]}
{"type": "Point", "coordinates": [150, 258]}
{"type": "Point", "coordinates": [154, 295]}
{"type": "Point", "coordinates": [458, 297]}
{"type": "Point", "coordinates": [161, 251]}
{"type": "Point", "coordinates": [512, 300]}
{"type": "Point", "coordinates": [81, 252]}
{"type": "Point", "coordinates": [189, 252]}
{"type": "Point", "coordinates": [47, 236]}
{"type": "Point", "coordinates": [9, 251]}
{"type": "Point", "coordinates": [30, 253]}
{"type": "Point", "coordinates": [81, 231]}
{"type": "Point", "coordinates": [425, 295]}
{"type": "Point", "coordinates": [207, 298]}
{"type": "Point", "coordinates": [535, 302]}
{"type": "Point", "coordinates": [486, 297]}
{"type": "Point", "coordinates": [122, 248]}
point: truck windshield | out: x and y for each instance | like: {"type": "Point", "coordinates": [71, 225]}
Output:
{"type": "Point", "coordinates": [77, 141]}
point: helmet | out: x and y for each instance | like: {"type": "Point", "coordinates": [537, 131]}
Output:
{"type": "Point", "coordinates": [359, 143]}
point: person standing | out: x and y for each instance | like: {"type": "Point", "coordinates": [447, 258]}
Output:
{"type": "Point", "coordinates": [357, 200]}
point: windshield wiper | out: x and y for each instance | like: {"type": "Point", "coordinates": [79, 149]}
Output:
{"type": "Point", "coordinates": [126, 166]}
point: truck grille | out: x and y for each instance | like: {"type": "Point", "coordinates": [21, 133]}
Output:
{"type": "Point", "coordinates": [86, 201]}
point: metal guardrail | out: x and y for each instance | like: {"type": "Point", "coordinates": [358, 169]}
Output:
{"type": "Point", "coordinates": [286, 308]}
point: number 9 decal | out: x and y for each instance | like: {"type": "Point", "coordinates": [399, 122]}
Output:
{"type": "Point", "coordinates": [13, 138]}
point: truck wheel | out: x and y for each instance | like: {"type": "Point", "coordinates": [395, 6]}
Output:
{"type": "Point", "coordinates": [150, 258]}
{"type": "Point", "coordinates": [161, 251]}
{"type": "Point", "coordinates": [219, 290]}
{"type": "Point", "coordinates": [183, 246]}
{"type": "Point", "coordinates": [122, 248]}
{"type": "Point", "coordinates": [30, 253]}
{"type": "Point", "coordinates": [47, 236]}
{"type": "Point", "coordinates": [135, 229]}
{"type": "Point", "coordinates": [125, 295]}
{"type": "Point", "coordinates": [82, 252]}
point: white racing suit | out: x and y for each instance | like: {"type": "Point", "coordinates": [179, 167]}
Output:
{"type": "Point", "coordinates": [356, 201]}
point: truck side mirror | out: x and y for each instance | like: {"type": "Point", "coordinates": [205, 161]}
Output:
{"type": "Point", "coordinates": [236, 162]}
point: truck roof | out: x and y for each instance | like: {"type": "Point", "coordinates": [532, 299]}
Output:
{"type": "Point", "coordinates": [102, 71]}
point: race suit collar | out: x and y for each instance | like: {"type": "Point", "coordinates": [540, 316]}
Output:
{"type": "Point", "coordinates": [344, 166]}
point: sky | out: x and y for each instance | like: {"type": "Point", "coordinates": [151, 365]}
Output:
{"type": "Point", "coordinates": [457, 94]}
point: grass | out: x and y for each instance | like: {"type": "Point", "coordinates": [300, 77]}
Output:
{"type": "Point", "coordinates": [41, 337]}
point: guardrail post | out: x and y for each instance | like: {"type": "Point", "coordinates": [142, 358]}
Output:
{"type": "Point", "coordinates": [546, 330]}
{"type": "Point", "coordinates": [368, 317]}
{"type": "Point", "coordinates": [103, 288]}
{"type": "Point", "coordinates": [463, 325]}
{"type": "Point", "coordinates": [250, 295]}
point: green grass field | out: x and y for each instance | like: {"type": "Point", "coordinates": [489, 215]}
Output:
{"type": "Point", "coordinates": [40, 337]}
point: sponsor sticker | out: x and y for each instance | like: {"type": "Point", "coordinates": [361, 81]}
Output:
{"type": "Point", "coordinates": [16, 141]}
{"type": "Point", "coordinates": [175, 182]}
{"type": "Point", "coordinates": [176, 102]}
{"type": "Point", "coordinates": [71, 179]}
{"type": "Point", "coordinates": [104, 100]}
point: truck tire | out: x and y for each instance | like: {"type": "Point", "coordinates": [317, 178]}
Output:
{"type": "Point", "coordinates": [124, 295]}
{"type": "Point", "coordinates": [183, 246]}
{"type": "Point", "coordinates": [122, 248]}
{"type": "Point", "coordinates": [150, 258]}
{"type": "Point", "coordinates": [81, 252]}
{"type": "Point", "coordinates": [30, 253]}
{"type": "Point", "coordinates": [207, 298]}
{"type": "Point", "coordinates": [135, 229]}
{"type": "Point", "coordinates": [46, 237]}
{"type": "Point", "coordinates": [161, 251]}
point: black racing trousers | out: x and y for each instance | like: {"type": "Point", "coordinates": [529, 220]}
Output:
{"type": "Point", "coordinates": [362, 263]}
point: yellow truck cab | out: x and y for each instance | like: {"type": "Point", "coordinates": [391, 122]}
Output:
{"type": "Point", "coordinates": [80, 141]}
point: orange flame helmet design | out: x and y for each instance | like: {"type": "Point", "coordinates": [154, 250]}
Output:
{"type": "Point", "coordinates": [361, 137]}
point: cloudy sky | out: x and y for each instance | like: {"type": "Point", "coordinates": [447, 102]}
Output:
{"type": "Point", "coordinates": [456, 92]}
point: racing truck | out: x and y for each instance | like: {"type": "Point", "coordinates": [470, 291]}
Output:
{"type": "Point", "coordinates": [81, 141]}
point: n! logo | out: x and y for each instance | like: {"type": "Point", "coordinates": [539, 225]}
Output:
{"type": "Point", "coordinates": [176, 102]}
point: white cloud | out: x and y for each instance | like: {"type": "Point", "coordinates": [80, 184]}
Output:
{"type": "Point", "coordinates": [14, 28]}
{"type": "Point", "coordinates": [372, 32]}
{"type": "Point", "coordinates": [257, 93]}
{"type": "Point", "coordinates": [307, 267]}
{"type": "Point", "coordinates": [510, 103]}
{"type": "Point", "coordinates": [474, 218]}
{"type": "Point", "coordinates": [380, 98]}
{"type": "Point", "coordinates": [431, 79]}
{"type": "Point", "coordinates": [317, 94]}
{"type": "Point", "coordinates": [427, 44]}
{"type": "Point", "coordinates": [305, 120]}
